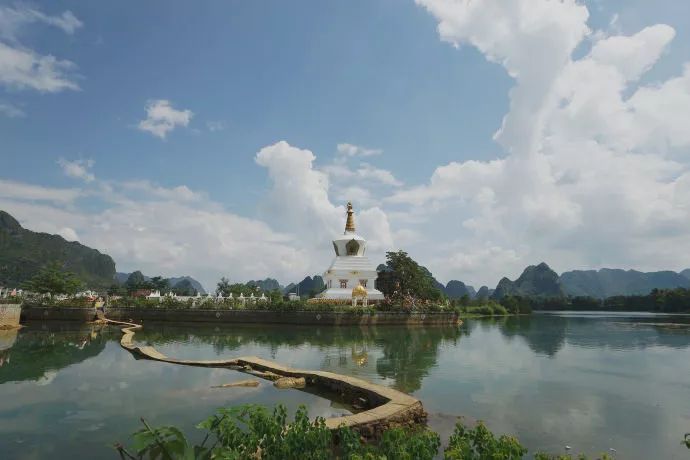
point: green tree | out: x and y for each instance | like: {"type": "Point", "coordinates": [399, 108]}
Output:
{"type": "Point", "coordinates": [223, 287]}
{"type": "Point", "coordinates": [52, 279]}
{"type": "Point", "coordinates": [160, 284]}
{"type": "Point", "coordinates": [136, 281]}
{"type": "Point", "coordinates": [403, 277]}
{"type": "Point", "coordinates": [117, 289]}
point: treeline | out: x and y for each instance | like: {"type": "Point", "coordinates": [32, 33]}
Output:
{"type": "Point", "coordinates": [658, 300]}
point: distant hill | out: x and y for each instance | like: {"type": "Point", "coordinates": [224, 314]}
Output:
{"type": "Point", "coordinates": [23, 253]}
{"type": "Point", "coordinates": [267, 285]}
{"type": "Point", "coordinates": [121, 278]}
{"type": "Point", "coordinates": [484, 293]}
{"type": "Point", "coordinates": [455, 289]}
{"type": "Point", "coordinates": [194, 283]}
{"type": "Point", "coordinates": [307, 286]}
{"type": "Point", "coordinates": [535, 281]}
{"type": "Point", "coordinates": [609, 282]}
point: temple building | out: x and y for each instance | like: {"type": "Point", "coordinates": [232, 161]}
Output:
{"type": "Point", "coordinates": [351, 268]}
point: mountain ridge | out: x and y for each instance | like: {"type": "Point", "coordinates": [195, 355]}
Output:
{"type": "Point", "coordinates": [24, 252]}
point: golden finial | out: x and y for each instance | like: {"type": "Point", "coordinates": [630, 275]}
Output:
{"type": "Point", "coordinates": [350, 223]}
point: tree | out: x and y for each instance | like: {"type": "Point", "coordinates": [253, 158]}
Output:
{"type": "Point", "coordinates": [52, 279]}
{"type": "Point", "coordinates": [160, 284]}
{"type": "Point", "coordinates": [223, 287]}
{"type": "Point", "coordinates": [403, 277]}
{"type": "Point", "coordinates": [136, 281]}
{"type": "Point", "coordinates": [117, 289]}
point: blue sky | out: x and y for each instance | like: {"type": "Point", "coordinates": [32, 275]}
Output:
{"type": "Point", "coordinates": [381, 75]}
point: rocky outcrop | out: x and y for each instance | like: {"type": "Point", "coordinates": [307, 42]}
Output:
{"type": "Point", "coordinates": [535, 281]}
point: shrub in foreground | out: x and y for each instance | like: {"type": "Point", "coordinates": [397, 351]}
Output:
{"type": "Point", "coordinates": [252, 432]}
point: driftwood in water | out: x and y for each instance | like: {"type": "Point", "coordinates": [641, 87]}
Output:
{"type": "Point", "coordinates": [239, 383]}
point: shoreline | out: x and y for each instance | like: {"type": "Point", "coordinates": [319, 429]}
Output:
{"type": "Point", "coordinates": [35, 313]}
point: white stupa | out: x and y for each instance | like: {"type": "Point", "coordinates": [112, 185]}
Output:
{"type": "Point", "coordinates": [350, 268]}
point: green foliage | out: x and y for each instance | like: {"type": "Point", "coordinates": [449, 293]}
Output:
{"type": "Point", "coordinates": [160, 284]}
{"type": "Point", "coordinates": [53, 279]}
{"type": "Point", "coordinates": [251, 431]}
{"type": "Point", "coordinates": [479, 443]}
{"type": "Point", "coordinates": [136, 281]}
{"type": "Point", "coordinates": [404, 279]}
{"type": "Point", "coordinates": [686, 440]}
{"type": "Point", "coordinates": [543, 456]}
{"type": "Point", "coordinates": [242, 432]}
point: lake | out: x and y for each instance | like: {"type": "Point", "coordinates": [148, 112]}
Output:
{"type": "Point", "coordinates": [590, 381]}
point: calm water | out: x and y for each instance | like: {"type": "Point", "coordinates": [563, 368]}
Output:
{"type": "Point", "coordinates": [593, 382]}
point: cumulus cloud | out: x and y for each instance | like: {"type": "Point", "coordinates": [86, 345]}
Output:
{"type": "Point", "coordinates": [352, 150]}
{"type": "Point", "coordinates": [299, 202]}
{"type": "Point", "coordinates": [22, 191]}
{"type": "Point", "coordinates": [79, 169]}
{"type": "Point", "coordinates": [593, 174]}
{"type": "Point", "coordinates": [23, 68]}
{"type": "Point", "coordinates": [159, 233]}
{"type": "Point", "coordinates": [12, 19]}
{"type": "Point", "coordinates": [162, 118]}
{"type": "Point", "coordinates": [177, 230]}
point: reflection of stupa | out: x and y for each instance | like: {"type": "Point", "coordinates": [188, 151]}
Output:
{"type": "Point", "coordinates": [350, 268]}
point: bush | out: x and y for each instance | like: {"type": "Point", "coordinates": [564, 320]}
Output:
{"type": "Point", "coordinates": [244, 431]}
{"type": "Point", "coordinates": [250, 432]}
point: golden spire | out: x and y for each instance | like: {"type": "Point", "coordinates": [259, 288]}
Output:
{"type": "Point", "coordinates": [350, 223]}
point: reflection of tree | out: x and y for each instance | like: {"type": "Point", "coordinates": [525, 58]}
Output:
{"type": "Point", "coordinates": [409, 353]}
{"type": "Point", "coordinates": [41, 351]}
{"type": "Point", "coordinates": [544, 334]}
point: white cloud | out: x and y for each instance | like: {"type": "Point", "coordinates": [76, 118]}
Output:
{"type": "Point", "coordinates": [22, 68]}
{"type": "Point", "coordinates": [68, 233]}
{"type": "Point", "coordinates": [299, 202]}
{"type": "Point", "coordinates": [594, 174]}
{"type": "Point", "coordinates": [177, 230]}
{"type": "Point", "coordinates": [79, 169]}
{"type": "Point", "coordinates": [158, 232]}
{"type": "Point", "coordinates": [368, 172]}
{"type": "Point", "coordinates": [162, 118]}
{"type": "Point", "coordinates": [352, 150]}
{"type": "Point", "coordinates": [13, 19]}
{"type": "Point", "coordinates": [22, 191]}
{"type": "Point", "coordinates": [11, 111]}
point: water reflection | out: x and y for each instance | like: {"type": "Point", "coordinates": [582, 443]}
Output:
{"type": "Point", "coordinates": [402, 355]}
{"type": "Point", "coordinates": [39, 353]}
{"type": "Point", "coordinates": [547, 333]}
{"type": "Point", "coordinates": [66, 391]}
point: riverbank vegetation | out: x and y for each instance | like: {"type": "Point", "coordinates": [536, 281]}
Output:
{"type": "Point", "coordinates": [251, 432]}
{"type": "Point", "coordinates": [658, 300]}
